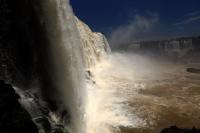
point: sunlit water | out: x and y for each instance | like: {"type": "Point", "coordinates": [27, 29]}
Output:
{"type": "Point", "coordinates": [133, 93]}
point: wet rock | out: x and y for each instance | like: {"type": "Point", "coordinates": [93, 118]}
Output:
{"type": "Point", "coordinates": [175, 129]}
{"type": "Point", "coordinates": [43, 124]}
{"type": "Point", "coordinates": [59, 129]}
{"type": "Point", "coordinates": [193, 70]}
{"type": "Point", "coordinates": [90, 77]}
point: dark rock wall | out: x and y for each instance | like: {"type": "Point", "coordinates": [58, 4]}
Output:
{"type": "Point", "coordinates": [13, 118]}
{"type": "Point", "coordinates": [17, 41]}
{"type": "Point", "coordinates": [22, 61]}
{"type": "Point", "coordinates": [23, 42]}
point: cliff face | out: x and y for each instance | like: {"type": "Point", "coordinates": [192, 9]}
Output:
{"type": "Point", "coordinates": [20, 62]}
{"type": "Point", "coordinates": [17, 41]}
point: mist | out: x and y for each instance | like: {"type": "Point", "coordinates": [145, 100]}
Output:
{"type": "Point", "coordinates": [138, 28]}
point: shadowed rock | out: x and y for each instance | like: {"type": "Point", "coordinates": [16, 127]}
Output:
{"type": "Point", "coordinates": [13, 118]}
{"type": "Point", "coordinates": [193, 70]}
{"type": "Point", "coordinates": [174, 129]}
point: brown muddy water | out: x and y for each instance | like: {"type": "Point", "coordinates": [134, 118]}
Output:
{"type": "Point", "coordinates": [172, 100]}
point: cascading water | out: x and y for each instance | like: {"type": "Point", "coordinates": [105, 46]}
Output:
{"type": "Point", "coordinates": [66, 60]}
{"type": "Point", "coordinates": [64, 67]}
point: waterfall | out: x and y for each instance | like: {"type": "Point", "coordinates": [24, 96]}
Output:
{"type": "Point", "coordinates": [64, 68]}
{"type": "Point", "coordinates": [66, 65]}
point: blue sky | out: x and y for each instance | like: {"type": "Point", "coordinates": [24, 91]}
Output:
{"type": "Point", "coordinates": [132, 20]}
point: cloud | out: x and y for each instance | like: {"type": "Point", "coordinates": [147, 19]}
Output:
{"type": "Point", "coordinates": [126, 33]}
{"type": "Point", "coordinates": [190, 18]}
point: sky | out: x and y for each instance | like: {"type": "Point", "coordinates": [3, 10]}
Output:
{"type": "Point", "coordinates": [125, 21]}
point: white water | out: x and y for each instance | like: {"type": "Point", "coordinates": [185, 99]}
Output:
{"type": "Point", "coordinates": [107, 107]}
